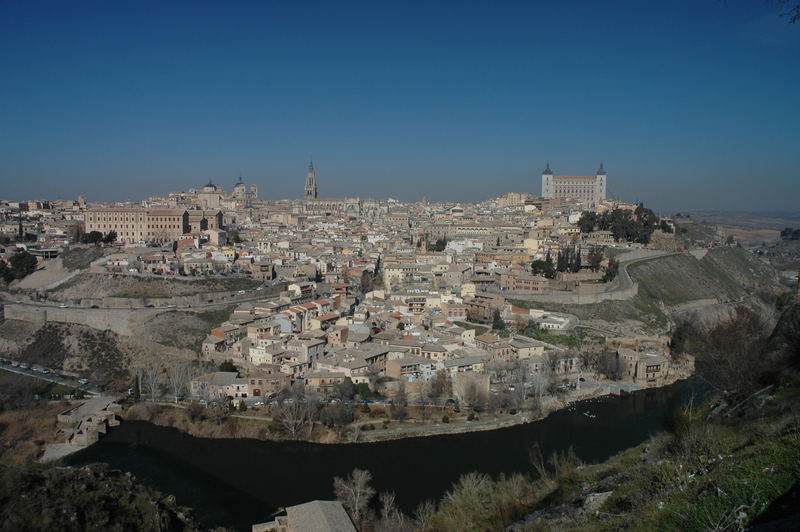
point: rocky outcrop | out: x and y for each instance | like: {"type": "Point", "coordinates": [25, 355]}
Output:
{"type": "Point", "coordinates": [782, 354]}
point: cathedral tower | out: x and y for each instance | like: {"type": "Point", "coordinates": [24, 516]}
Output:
{"type": "Point", "coordinates": [311, 183]}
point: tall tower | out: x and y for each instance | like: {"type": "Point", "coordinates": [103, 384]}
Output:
{"type": "Point", "coordinates": [548, 190]}
{"type": "Point", "coordinates": [600, 184]}
{"type": "Point", "coordinates": [311, 182]}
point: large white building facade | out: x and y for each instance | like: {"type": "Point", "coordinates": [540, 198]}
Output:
{"type": "Point", "coordinates": [590, 189]}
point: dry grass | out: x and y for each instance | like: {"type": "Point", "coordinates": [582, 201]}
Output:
{"type": "Point", "coordinates": [24, 432]}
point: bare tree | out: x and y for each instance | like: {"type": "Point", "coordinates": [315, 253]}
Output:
{"type": "Point", "coordinates": [424, 514]}
{"type": "Point", "coordinates": [152, 379]}
{"type": "Point", "coordinates": [541, 381]}
{"type": "Point", "coordinates": [474, 396]}
{"type": "Point", "coordinates": [392, 519]}
{"type": "Point", "coordinates": [423, 393]}
{"type": "Point", "coordinates": [178, 375]}
{"type": "Point", "coordinates": [423, 390]}
{"type": "Point", "coordinates": [518, 379]}
{"type": "Point", "coordinates": [139, 379]}
{"type": "Point", "coordinates": [354, 492]}
{"type": "Point", "coordinates": [401, 398]}
{"type": "Point", "coordinates": [441, 386]}
{"type": "Point", "coordinates": [313, 407]}
{"type": "Point", "coordinates": [293, 416]}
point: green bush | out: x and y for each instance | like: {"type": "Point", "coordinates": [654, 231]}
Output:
{"type": "Point", "coordinates": [445, 419]}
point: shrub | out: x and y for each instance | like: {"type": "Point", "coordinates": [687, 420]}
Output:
{"type": "Point", "coordinates": [195, 411]}
{"type": "Point", "coordinates": [445, 419]}
{"type": "Point", "coordinates": [471, 416]}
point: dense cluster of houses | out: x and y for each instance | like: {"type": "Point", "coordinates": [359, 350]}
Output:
{"type": "Point", "coordinates": [373, 287]}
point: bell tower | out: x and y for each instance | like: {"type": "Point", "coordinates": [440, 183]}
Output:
{"type": "Point", "coordinates": [311, 182]}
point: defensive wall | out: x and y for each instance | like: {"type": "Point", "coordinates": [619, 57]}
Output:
{"type": "Point", "coordinates": [623, 287]}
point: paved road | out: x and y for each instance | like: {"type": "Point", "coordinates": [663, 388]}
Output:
{"type": "Point", "coordinates": [49, 377]}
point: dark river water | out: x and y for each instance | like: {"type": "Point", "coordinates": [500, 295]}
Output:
{"type": "Point", "coordinates": [237, 482]}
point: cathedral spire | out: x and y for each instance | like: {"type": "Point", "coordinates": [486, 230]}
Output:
{"type": "Point", "coordinates": [601, 171]}
{"type": "Point", "coordinates": [311, 182]}
{"type": "Point", "coordinates": [547, 170]}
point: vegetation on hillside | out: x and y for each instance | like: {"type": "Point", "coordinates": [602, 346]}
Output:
{"type": "Point", "coordinates": [19, 265]}
{"type": "Point", "coordinates": [99, 353]}
{"type": "Point", "coordinates": [724, 273]}
{"type": "Point", "coordinates": [625, 226]}
{"type": "Point", "coordinates": [96, 237]}
{"type": "Point", "coordinates": [80, 258]}
{"type": "Point", "coordinates": [89, 498]}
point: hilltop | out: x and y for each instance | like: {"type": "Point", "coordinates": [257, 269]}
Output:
{"type": "Point", "coordinates": [705, 285]}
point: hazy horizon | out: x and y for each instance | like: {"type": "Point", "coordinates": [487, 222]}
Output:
{"type": "Point", "coordinates": [690, 105]}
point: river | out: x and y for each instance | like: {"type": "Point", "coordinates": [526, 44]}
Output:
{"type": "Point", "coordinates": [237, 482]}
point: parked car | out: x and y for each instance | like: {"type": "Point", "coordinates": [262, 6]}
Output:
{"type": "Point", "coordinates": [63, 305]}
{"type": "Point", "coordinates": [83, 381]}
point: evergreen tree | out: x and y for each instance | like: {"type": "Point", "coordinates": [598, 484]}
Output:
{"type": "Point", "coordinates": [576, 261]}
{"type": "Point", "coordinates": [550, 270]}
{"type": "Point", "coordinates": [611, 270]}
{"type": "Point", "coordinates": [497, 321]}
{"type": "Point", "coordinates": [596, 255]}
{"type": "Point", "coordinates": [92, 237]}
{"type": "Point", "coordinates": [22, 264]}
{"type": "Point", "coordinates": [561, 260]}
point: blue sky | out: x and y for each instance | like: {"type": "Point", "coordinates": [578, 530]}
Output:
{"type": "Point", "coordinates": [690, 104]}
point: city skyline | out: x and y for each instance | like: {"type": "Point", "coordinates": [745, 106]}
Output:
{"type": "Point", "coordinates": [689, 105]}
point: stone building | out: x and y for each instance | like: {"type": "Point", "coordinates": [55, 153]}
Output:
{"type": "Point", "coordinates": [137, 225]}
{"type": "Point", "coordinates": [591, 189]}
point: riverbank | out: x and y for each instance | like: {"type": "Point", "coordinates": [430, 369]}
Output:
{"type": "Point", "coordinates": [376, 424]}
{"type": "Point", "coordinates": [193, 469]}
